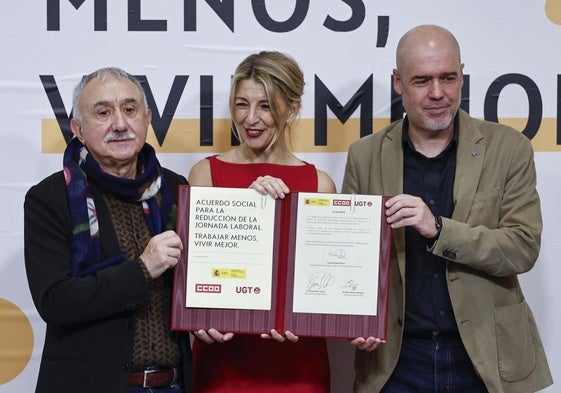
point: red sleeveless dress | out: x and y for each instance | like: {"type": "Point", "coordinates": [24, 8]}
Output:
{"type": "Point", "coordinates": [248, 363]}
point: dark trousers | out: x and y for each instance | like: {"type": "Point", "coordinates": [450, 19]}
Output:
{"type": "Point", "coordinates": [434, 364]}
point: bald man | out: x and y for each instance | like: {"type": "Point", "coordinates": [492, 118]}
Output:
{"type": "Point", "coordinates": [466, 220]}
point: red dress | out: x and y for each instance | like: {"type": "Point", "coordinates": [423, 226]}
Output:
{"type": "Point", "coordinates": [248, 363]}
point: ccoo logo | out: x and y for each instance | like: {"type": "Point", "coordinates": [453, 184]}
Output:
{"type": "Point", "coordinates": [208, 288]}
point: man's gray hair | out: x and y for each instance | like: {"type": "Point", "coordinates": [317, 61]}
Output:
{"type": "Point", "coordinates": [103, 74]}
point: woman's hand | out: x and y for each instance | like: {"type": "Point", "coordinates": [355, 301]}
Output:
{"type": "Point", "coordinates": [273, 186]}
{"type": "Point", "coordinates": [213, 335]}
{"type": "Point", "coordinates": [279, 337]}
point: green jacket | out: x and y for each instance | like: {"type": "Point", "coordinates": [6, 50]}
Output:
{"type": "Point", "coordinates": [492, 236]}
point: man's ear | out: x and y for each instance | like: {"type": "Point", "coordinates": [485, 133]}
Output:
{"type": "Point", "coordinates": [77, 129]}
{"type": "Point", "coordinates": [396, 81]}
{"type": "Point", "coordinates": [149, 116]}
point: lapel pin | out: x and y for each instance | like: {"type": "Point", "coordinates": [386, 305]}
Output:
{"type": "Point", "coordinates": [474, 154]}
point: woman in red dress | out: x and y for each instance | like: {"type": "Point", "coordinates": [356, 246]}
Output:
{"type": "Point", "coordinates": [265, 99]}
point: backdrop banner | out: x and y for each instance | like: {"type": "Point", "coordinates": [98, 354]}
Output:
{"type": "Point", "coordinates": [185, 51]}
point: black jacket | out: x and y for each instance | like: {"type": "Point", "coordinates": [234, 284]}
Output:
{"type": "Point", "coordinates": [90, 319]}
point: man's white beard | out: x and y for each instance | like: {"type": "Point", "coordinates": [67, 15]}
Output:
{"type": "Point", "coordinates": [435, 125]}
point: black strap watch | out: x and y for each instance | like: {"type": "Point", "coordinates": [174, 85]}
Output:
{"type": "Point", "coordinates": [438, 226]}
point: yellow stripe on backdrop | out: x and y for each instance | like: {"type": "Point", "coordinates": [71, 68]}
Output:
{"type": "Point", "coordinates": [183, 136]}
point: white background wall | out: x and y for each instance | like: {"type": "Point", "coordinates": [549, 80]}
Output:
{"type": "Point", "coordinates": [497, 38]}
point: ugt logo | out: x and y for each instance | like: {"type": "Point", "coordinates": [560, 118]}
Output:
{"type": "Point", "coordinates": [248, 290]}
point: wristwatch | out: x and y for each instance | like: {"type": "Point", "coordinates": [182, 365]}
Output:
{"type": "Point", "coordinates": [438, 226]}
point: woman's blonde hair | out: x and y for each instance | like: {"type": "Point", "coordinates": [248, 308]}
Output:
{"type": "Point", "coordinates": [281, 78]}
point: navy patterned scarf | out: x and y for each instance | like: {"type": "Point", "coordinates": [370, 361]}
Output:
{"type": "Point", "coordinates": [148, 188]}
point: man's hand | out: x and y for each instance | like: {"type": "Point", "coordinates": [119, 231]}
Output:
{"type": "Point", "coordinates": [367, 344]}
{"type": "Point", "coordinates": [161, 253]}
{"type": "Point", "coordinates": [410, 211]}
